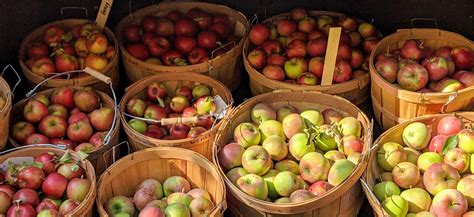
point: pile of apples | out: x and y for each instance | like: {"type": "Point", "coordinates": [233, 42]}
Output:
{"type": "Point", "coordinates": [71, 117]}
{"type": "Point", "coordinates": [174, 198]}
{"type": "Point", "coordinates": [178, 39]}
{"type": "Point", "coordinates": [61, 50]}
{"type": "Point", "coordinates": [417, 67]}
{"type": "Point", "coordinates": [187, 101]}
{"type": "Point", "coordinates": [49, 186]}
{"type": "Point", "coordinates": [428, 175]}
{"type": "Point", "coordinates": [287, 157]}
{"type": "Point", "coordinates": [293, 49]}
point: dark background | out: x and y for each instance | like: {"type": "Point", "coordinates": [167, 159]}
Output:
{"type": "Point", "coordinates": [19, 17]}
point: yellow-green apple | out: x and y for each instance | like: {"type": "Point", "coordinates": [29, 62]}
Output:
{"type": "Point", "coordinates": [284, 111]}
{"type": "Point", "coordinates": [440, 176]}
{"type": "Point", "coordinates": [96, 62]}
{"type": "Point", "coordinates": [334, 155]}
{"type": "Point", "coordinates": [288, 165]}
{"type": "Point", "coordinates": [253, 185]}
{"type": "Point", "coordinates": [230, 156]}
{"type": "Point", "coordinates": [63, 96]}
{"type": "Point", "coordinates": [314, 167]}
{"type": "Point", "coordinates": [201, 207]}
{"type": "Point", "coordinates": [449, 202]}
{"type": "Point", "coordinates": [101, 119]}
{"type": "Point", "coordinates": [177, 209]}
{"type": "Point", "coordinates": [34, 111]}
{"type": "Point", "coordinates": [330, 115]}
{"type": "Point", "coordinates": [317, 47]}
{"type": "Point", "coordinates": [299, 145]}
{"type": "Point", "coordinates": [354, 157]}
{"type": "Point", "coordinates": [58, 110]}
{"type": "Point", "coordinates": [427, 159]}
{"type": "Point", "coordinates": [80, 47]}
{"type": "Point", "coordinates": [86, 99]}
{"type": "Point", "coordinates": [320, 187]}
{"type": "Point", "coordinates": [463, 57]}
{"type": "Point", "coordinates": [293, 124]}
{"type": "Point", "coordinates": [283, 200]}
{"type": "Point", "coordinates": [179, 103]}
{"type": "Point", "coordinates": [22, 130]}
{"type": "Point", "coordinates": [412, 155]}
{"type": "Point", "coordinates": [53, 126]}
{"type": "Point", "coordinates": [151, 211]}
{"type": "Point", "coordinates": [466, 141]}
{"type": "Point", "coordinates": [205, 105]}
{"type": "Point", "coordinates": [200, 90]}
{"type": "Point", "coordinates": [175, 184]}
{"type": "Point", "coordinates": [300, 195]}
{"type": "Point", "coordinates": [352, 144]}
{"type": "Point", "coordinates": [367, 30]}
{"type": "Point", "coordinates": [247, 134]}
{"type": "Point", "coordinates": [138, 125]}
{"type": "Point", "coordinates": [259, 34]}
{"type": "Point", "coordinates": [386, 189]}
{"type": "Point", "coordinates": [269, 128]}
{"type": "Point", "coordinates": [395, 205]}
{"type": "Point", "coordinates": [79, 131]}
{"type": "Point", "coordinates": [198, 193]}
{"type": "Point", "coordinates": [97, 43]}
{"type": "Point", "coordinates": [285, 183]}
{"type": "Point", "coordinates": [325, 142]}
{"type": "Point", "coordinates": [324, 20]}
{"type": "Point", "coordinates": [350, 126]}
{"type": "Point", "coordinates": [235, 173]}
{"type": "Point", "coordinates": [262, 112]}
{"type": "Point", "coordinates": [257, 58]}
{"type": "Point", "coordinates": [78, 188]}
{"type": "Point", "coordinates": [447, 85]}
{"type": "Point", "coordinates": [387, 68]}
{"type": "Point", "coordinates": [178, 197]}
{"type": "Point", "coordinates": [465, 77]}
{"type": "Point", "coordinates": [135, 107]}
{"type": "Point", "coordinates": [307, 78]}
{"type": "Point", "coordinates": [269, 177]}
{"type": "Point", "coordinates": [418, 199]}
{"type": "Point", "coordinates": [458, 159]}
{"type": "Point", "coordinates": [406, 174]}
{"type": "Point", "coordinates": [276, 147]}
{"type": "Point", "coordinates": [340, 171]}
{"type": "Point", "coordinates": [294, 67]}
{"type": "Point", "coordinates": [437, 68]}
{"type": "Point", "coordinates": [154, 112]}
{"type": "Point", "coordinates": [437, 143]}
{"type": "Point", "coordinates": [42, 98]}
{"type": "Point", "coordinates": [412, 77]}
{"type": "Point", "coordinates": [416, 135]}
{"type": "Point", "coordinates": [465, 186]}
{"type": "Point", "coordinates": [256, 160]}
{"type": "Point", "coordinates": [312, 118]}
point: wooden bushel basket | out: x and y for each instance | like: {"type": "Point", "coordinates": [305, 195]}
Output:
{"type": "Point", "coordinates": [86, 207]}
{"type": "Point", "coordinates": [160, 163]}
{"type": "Point", "coordinates": [98, 157]}
{"type": "Point", "coordinates": [5, 111]}
{"type": "Point", "coordinates": [355, 90]}
{"type": "Point", "coordinates": [225, 68]}
{"type": "Point", "coordinates": [111, 70]}
{"type": "Point", "coordinates": [201, 144]}
{"type": "Point", "coordinates": [372, 175]}
{"type": "Point", "coordinates": [342, 200]}
{"type": "Point", "coordinates": [393, 105]}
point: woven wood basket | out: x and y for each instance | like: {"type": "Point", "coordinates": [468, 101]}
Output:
{"type": "Point", "coordinates": [87, 205]}
{"type": "Point", "coordinates": [355, 90]}
{"type": "Point", "coordinates": [393, 105]}
{"type": "Point", "coordinates": [111, 70]}
{"type": "Point", "coordinates": [201, 144]}
{"type": "Point", "coordinates": [342, 200]}
{"type": "Point", "coordinates": [225, 68]}
{"type": "Point", "coordinates": [372, 175]}
{"type": "Point", "coordinates": [160, 163]}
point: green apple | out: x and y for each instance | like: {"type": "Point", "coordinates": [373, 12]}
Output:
{"type": "Point", "coordinates": [466, 140]}
{"type": "Point", "coordinates": [288, 165]}
{"type": "Point", "coordinates": [262, 112]}
{"type": "Point", "coordinates": [276, 147]}
{"type": "Point", "coordinates": [390, 154]}
{"type": "Point", "coordinates": [412, 155]}
{"type": "Point", "coordinates": [253, 185]}
{"type": "Point", "coordinates": [312, 118]}
{"type": "Point", "coordinates": [340, 171]}
{"type": "Point", "coordinates": [138, 125]}
{"type": "Point", "coordinates": [427, 159]}
{"type": "Point", "coordinates": [177, 209]}
{"type": "Point", "coordinates": [247, 134]}
{"type": "Point", "coordinates": [269, 178]}
{"type": "Point", "coordinates": [386, 189]}
{"type": "Point", "coordinates": [395, 205]}
{"type": "Point", "coordinates": [418, 199]}
{"type": "Point", "coordinates": [271, 127]}
{"type": "Point", "coordinates": [325, 142]}
{"type": "Point", "coordinates": [295, 67]}
{"type": "Point", "coordinates": [285, 183]}
{"type": "Point", "coordinates": [299, 145]}
{"type": "Point", "coordinates": [416, 135]}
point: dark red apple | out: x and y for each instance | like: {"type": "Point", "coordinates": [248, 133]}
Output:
{"type": "Point", "coordinates": [173, 58]}
{"type": "Point", "coordinates": [413, 49]}
{"type": "Point", "coordinates": [148, 23]}
{"type": "Point", "coordinates": [286, 27]}
{"type": "Point", "coordinates": [131, 33]}
{"type": "Point", "coordinates": [297, 48]}
{"type": "Point", "coordinates": [274, 72]}
{"type": "Point", "coordinates": [185, 44]}
{"type": "Point", "coordinates": [342, 72]}
{"type": "Point", "coordinates": [271, 47]}
{"type": "Point", "coordinates": [164, 27]}
{"type": "Point", "coordinates": [139, 51]}
{"type": "Point", "coordinates": [27, 196]}
{"type": "Point", "coordinates": [444, 51]}
{"type": "Point", "coordinates": [259, 34]}
{"type": "Point", "coordinates": [157, 46]}
{"type": "Point", "coordinates": [298, 13]}
{"type": "Point", "coordinates": [21, 210]}
{"type": "Point", "coordinates": [208, 40]}
{"type": "Point", "coordinates": [198, 55]}
{"type": "Point", "coordinates": [257, 58]}
{"type": "Point", "coordinates": [185, 27]}
{"type": "Point", "coordinates": [54, 185]}
{"type": "Point", "coordinates": [49, 160]}
{"type": "Point", "coordinates": [437, 68]}
{"type": "Point", "coordinates": [463, 57]}
{"type": "Point", "coordinates": [317, 47]}
{"type": "Point", "coordinates": [37, 49]}
{"type": "Point", "coordinates": [156, 90]}
{"type": "Point", "coordinates": [179, 131]}
{"type": "Point", "coordinates": [53, 34]}
{"type": "Point", "coordinates": [369, 44]}
{"type": "Point", "coordinates": [222, 29]}
{"type": "Point", "coordinates": [344, 51]}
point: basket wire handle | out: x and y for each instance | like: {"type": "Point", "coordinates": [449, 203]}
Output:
{"type": "Point", "coordinates": [113, 149]}
{"type": "Point", "coordinates": [63, 147]}
{"type": "Point", "coordinates": [74, 8]}
{"type": "Point", "coordinates": [98, 76]}
{"type": "Point", "coordinates": [451, 98]}
{"type": "Point", "coordinates": [210, 65]}
{"type": "Point", "coordinates": [253, 20]}
{"type": "Point", "coordinates": [130, 8]}
{"type": "Point", "coordinates": [11, 93]}
{"type": "Point", "coordinates": [433, 20]}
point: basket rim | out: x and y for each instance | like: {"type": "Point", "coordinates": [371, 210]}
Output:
{"type": "Point", "coordinates": [8, 96]}
{"type": "Point", "coordinates": [130, 19]}
{"type": "Point", "coordinates": [257, 203]}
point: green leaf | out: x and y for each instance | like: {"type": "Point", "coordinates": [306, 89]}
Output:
{"type": "Point", "coordinates": [451, 142]}
{"type": "Point", "coordinates": [74, 167]}
{"type": "Point", "coordinates": [160, 101]}
{"type": "Point", "coordinates": [82, 155]}
{"type": "Point", "coordinates": [38, 164]}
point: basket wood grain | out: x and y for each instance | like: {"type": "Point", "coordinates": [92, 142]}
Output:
{"type": "Point", "coordinates": [5, 92]}
{"type": "Point", "coordinates": [201, 144]}
{"type": "Point", "coordinates": [160, 163]}
{"type": "Point", "coordinates": [342, 200]}
{"type": "Point", "coordinates": [355, 90]}
{"type": "Point", "coordinates": [86, 207]}
{"type": "Point", "coordinates": [111, 70]}
{"type": "Point", "coordinates": [225, 68]}
{"type": "Point", "coordinates": [98, 157]}
{"type": "Point", "coordinates": [372, 174]}
{"type": "Point", "coordinates": [393, 105]}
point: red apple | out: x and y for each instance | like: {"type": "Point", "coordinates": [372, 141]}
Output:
{"type": "Point", "coordinates": [97, 43]}
{"type": "Point", "coordinates": [53, 34]}
{"type": "Point", "coordinates": [54, 185]}
{"type": "Point", "coordinates": [315, 34]}
{"type": "Point", "coordinates": [465, 77]}
{"type": "Point", "coordinates": [449, 125]}
{"type": "Point", "coordinates": [196, 131]}
{"type": "Point", "coordinates": [68, 143]}
{"type": "Point", "coordinates": [307, 78]}
{"type": "Point", "coordinates": [21, 210]}
{"type": "Point", "coordinates": [274, 72]}
{"type": "Point", "coordinates": [79, 131]}
{"type": "Point", "coordinates": [316, 66]}
{"type": "Point", "coordinates": [369, 44]}
{"type": "Point", "coordinates": [155, 112]}
{"type": "Point", "coordinates": [78, 117]}
{"type": "Point", "coordinates": [257, 58]}
{"type": "Point", "coordinates": [36, 139]}
{"type": "Point", "coordinates": [297, 48]}
{"type": "Point", "coordinates": [259, 34]}
{"type": "Point", "coordinates": [179, 131]}
{"type": "Point", "coordinates": [342, 72]}
{"type": "Point", "coordinates": [298, 13]}
{"type": "Point", "coordinates": [317, 47]}
{"type": "Point", "coordinates": [185, 27]}
{"type": "Point", "coordinates": [27, 196]}
{"type": "Point", "coordinates": [185, 44]}
{"type": "Point", "coordinates": [43, 66]}
{"type": "Point", "coordinates": [198, 55]}
{"type": "Point", "coordinates": [22, 130]}
{"type": "Point", "coordinates": [276, 59]}
{"type": "Point", "coordinates": [34, 111]}
{"type": "Point", "coordinates": [306, 24]}
{"type": "Point", "coordinates": [49, 160]}
{"type": "Point", "coordinates": [139, 51]}
{"type": "Point", "coordinates": [131, 33]}
{"type": "Point", "coordinates": [463, 57]}
{"type": "Point", "coordinates": [437, 68]}
{"type": "Point", "coordinates": [157, 46]}
{"type": "Point", "coordinates": [52, 126]}
{"type": "Point", "coordinates": [58, 110]}
{"type": "Point", "coordinates": [286, 27]}
{"type": "Point", "coordinates": [412, 76]}
{"type": "Point", "coordinates": [357, 58]}
{"type": "Point", "coordinates": [344, 51]}
{"type": "Point", "coordinates": [148, 23]}
{"type": "Point", "coordinates": [387, 67]}
{"type": "Point", "coordinates": [164, 27]}
{"type": "Point", "coordinates": [444, 51]}
{"type": "Point", "coordinates": [184, 90]}
{"type": "Point", "coordinates": [37, 49]}
{"type": "Point", "coordinates": [101, 119]}
{"type": "Point", "coordinates": [63, 96]}
{"type": "Point", "coordinates": [156, 90]}
{"type": "Point", "coordinates": [413, 49]}
{"type": "Point", "coordinates": [208, 40]}
{"type": "Point", "coordinates": [173, 58]}
{"type": "Point", "coordinates": [222, 29]}
{"type": "Point", "coordinates": [271, 47]}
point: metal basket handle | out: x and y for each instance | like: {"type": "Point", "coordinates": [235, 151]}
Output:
{"type": "Point", "coordinates": [113, 149]}
{"type": "Point", "coordinates": [11, 93]}
{"type": "Point", "coordinates": [74, 8]}
{"type": "Point", "coordinates": [62, 147]}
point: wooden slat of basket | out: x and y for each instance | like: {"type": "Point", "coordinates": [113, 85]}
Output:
{"type": "Point", "coordinates": [5, 92]}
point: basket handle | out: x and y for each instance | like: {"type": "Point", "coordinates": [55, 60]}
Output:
{"type": "Point", "coordinates": [417, 19]}
{"type": "Point", "coordinates": [62, 147]}
{"type": "Point", "coordinates": [331, 54]}
{"type": "Point", "coordinates": [11, 93]}
{"type": "Point", "coordinates": [74, 8]}
{"type": "Point", "coordinates": [210, 65]}
{"type": "Point", "coordinates": [130, 8]}
{"type": "Point", "coordinates": [113, 149]}
{"type": "Point", "coordinates": [451, 98]}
